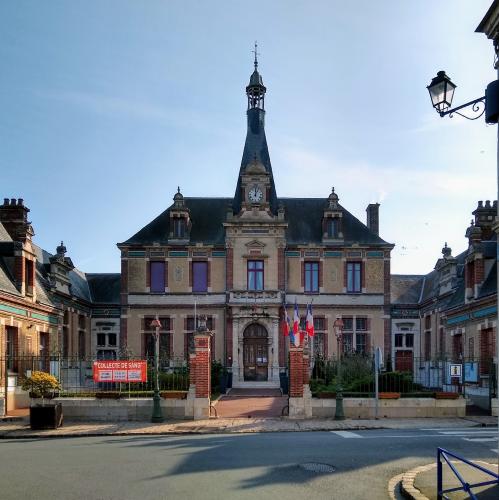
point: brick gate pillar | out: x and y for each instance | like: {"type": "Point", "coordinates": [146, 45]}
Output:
{"type": "Point", "coordinates": [295, 372]}
{"type": "Point", "coordinates": [202, 364]}
{"type": "Point", "coordinates": [198, 399]}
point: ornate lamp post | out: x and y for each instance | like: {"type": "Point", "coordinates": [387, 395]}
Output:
{"type": "Point", "coordinates": [157, 415]}
{"type": "Point", "coordinates": [338, 331]}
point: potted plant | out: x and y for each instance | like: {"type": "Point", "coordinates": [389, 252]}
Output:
{"type": "Point", "coordinates": [41, 385]}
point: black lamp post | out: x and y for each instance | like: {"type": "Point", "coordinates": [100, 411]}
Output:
{"type": "Point", "coordinates": [157, 415]}
{"type": "Point", "coordinates": [339, 413]}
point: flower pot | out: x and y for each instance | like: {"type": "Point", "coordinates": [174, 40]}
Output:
{"type": "Point", "coordinates": [326, 395]}
{"type": "Point", "coordinates": [173, 394]}
{"type": "Point", "coordinates": [108, 395]}
{"type": "Point", "coordinates": [446, 395]}
{"type": "Point", "coordinates": [389, 395]}
{"type": "Point", "coordinates": [47, 416]}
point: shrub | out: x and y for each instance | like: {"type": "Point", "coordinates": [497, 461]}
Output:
{"type": "Point", "coordinates": [40, 384]}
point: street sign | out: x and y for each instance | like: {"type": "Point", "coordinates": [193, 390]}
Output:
{"type": "Point", "coordinates": [120, 371]}
{"type": "Point", "coordinates": [455, 370]}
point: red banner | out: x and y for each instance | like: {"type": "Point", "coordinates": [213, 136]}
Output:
{"type": "Point", "coordinates": [120, 371]}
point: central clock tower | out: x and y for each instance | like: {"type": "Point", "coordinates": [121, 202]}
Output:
{"type": "Point", "coordinates": [255, 185]}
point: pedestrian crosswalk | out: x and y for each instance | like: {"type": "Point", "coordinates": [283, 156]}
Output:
{"type": "Point", "coordinates": [347, 434]}
{"type": "Point", "coordinates": [469, 434]}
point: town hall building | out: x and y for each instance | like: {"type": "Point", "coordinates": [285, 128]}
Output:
{"type": "Point", "coordinates": [241, 260]}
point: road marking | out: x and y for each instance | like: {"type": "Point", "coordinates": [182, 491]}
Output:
{"type": "Point", "coordinates": [464, 433]}
{"type": "Point", "coordinates": [481, 440]}
{"type": "Point", "coordinates": [441, 429]}
{"type": "Point", "coordinates": [347, 434]}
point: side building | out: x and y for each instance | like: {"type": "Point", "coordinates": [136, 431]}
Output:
{"type": "Point", "coordinates": [454, 311]}
{"type": "Point", "coordinates": [49, 310]}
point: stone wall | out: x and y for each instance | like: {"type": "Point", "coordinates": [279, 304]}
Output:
{"type": "Point", "coordinates": [391, 408]}
{"type": "Point", "coordinates": [122, 410]}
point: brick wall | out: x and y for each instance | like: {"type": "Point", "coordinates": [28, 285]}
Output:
{"type": "Point", "coordinates": [202, 366]}
{"type": "Point", "coordinates": [296, 372]}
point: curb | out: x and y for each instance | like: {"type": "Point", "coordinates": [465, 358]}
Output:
{"type": "Point", "coordinates": [26, 434]}
{"type": "Point", "coordinates": [407, 484]}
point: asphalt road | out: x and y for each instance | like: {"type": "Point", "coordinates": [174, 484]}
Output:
{"type": "Point", "coordinates": [228, 466]}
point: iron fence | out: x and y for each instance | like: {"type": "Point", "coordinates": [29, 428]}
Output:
{"type": "Point", "coordinates": [416, 377]}
{"type": "Point", "coordinates": [75, 375]}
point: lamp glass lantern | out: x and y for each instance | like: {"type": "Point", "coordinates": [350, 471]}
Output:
{"type": "Point", "coordinates": [441, 91]}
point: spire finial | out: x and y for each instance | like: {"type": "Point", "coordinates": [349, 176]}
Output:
{"type": "Point", "coordinates": [178, 189]}
{"type": "Point", "coordinates": [255, 51]}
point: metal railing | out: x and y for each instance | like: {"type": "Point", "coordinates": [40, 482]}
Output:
{"type": "Point", "coordinates": [75, 375]}
{"type": "Point", "coordinates": [465, 486]}
{"type": "Point", "coordinates": [414, 376]}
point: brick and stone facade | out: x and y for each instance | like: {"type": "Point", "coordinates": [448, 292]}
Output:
{"type": "Point", "coordinates": [240, 260]}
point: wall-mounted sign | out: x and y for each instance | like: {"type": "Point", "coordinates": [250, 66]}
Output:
{"type": "Point", "coordinates": [455, 370]}
{"type": "Point", "coordinates": [120, 371]}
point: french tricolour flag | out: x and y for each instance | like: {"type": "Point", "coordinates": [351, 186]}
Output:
{"type": "Point", "coordinates": [296, 326]}
{"type": "Point", "coordinates": [310, 321]}
{"type": "Point", "coordinates": [285, 326]}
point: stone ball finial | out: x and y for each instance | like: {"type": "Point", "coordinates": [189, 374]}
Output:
{"type": "Point", "coordinates": [61, 249]}
{"type": "Point", "coordinates": [178, 195]}
{"type": "Point", "coordinates": [446, 251]}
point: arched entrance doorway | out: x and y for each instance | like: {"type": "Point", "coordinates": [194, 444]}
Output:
{"type": "Point", "coordinates": [255, 353]}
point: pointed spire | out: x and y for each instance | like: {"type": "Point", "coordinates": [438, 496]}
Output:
{"type": "Point", "coordinates": [255, 51]}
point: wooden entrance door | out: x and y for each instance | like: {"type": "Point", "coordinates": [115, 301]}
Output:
{"type": "Point", "coordinates": [255, 353]}
{"type": "Point", "coordinates": [403, 361]}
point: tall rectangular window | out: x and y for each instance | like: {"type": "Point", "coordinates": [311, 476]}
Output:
{"type": "Point", "coordinates": [255, 275]}
{"type": "Point", "coordinates": [409, 340]}
{"type": "Point", "coordinates": [354, 271]}
{"type": "Point", "coordinates": [12, 348]}
{"type": "Point", "coordinates": [312, 277]}
{"type": "Point", "coordinates": [179, 228]}
{"type": "Point", "coordinates": [157, 270]}
{"type": "Point", "coordinates": [361, 341]}
{"type": "Point", "coordinates": [399, 339]}
{"type": "Point", "coordinates": [28, 269]}
{"type": "Point", "coordinates": [332, 228]}
{"type": "Point", "coordinates": [200, 277]}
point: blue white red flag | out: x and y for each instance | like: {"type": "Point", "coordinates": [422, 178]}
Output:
{"type": "Point", "coordinates": [310, 321]}
{"type": "Point", "coordinates": [296, 326]}
{"type": "Point", "coordinates": [285, 325]}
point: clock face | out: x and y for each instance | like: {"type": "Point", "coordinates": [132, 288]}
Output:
{"type": "Point", "coordinates": [255, 194]}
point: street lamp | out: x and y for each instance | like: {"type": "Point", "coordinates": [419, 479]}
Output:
{"type": "Point", "coordinates": [339, 414]}
{"type": "Point", "coordinates": [441, 91]}
{"type": "Point", "coordinates": [157, 415]}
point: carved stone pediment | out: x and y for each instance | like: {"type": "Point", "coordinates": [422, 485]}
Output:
{"type": "Point", "coordinates": [255, 244]}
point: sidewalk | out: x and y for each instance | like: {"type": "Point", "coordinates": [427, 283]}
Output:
{"type": "Point", "coordinates": [20, 429]}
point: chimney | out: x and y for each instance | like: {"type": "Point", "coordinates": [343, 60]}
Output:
{"type": "Point", "coordinates": [485, 215]}
{"type": "Point", "coordinates": [373, 218]}
{"type": "Point", "coordinates": [14, 217]}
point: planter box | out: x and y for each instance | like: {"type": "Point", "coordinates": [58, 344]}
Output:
{"type": "Point", "coordinates": [173, 395]}
{"type": "Point", "coordinates": [389, 395]}
{"type": "Point", "coordinates": [108, 395]}
{"type": "Point", "coordinates": [446, 395]}
{"type": "Point", "coordinates": [46, 416]}
{"type": "Point", "coordinates": [326, 395]}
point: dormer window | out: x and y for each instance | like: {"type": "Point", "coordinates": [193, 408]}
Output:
{"type": "Point", "coordinates": [179, 227]}
{"type": "Point", "coordinates": [332, 228]}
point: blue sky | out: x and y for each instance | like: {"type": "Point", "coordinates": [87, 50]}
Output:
{"type": "Point", "coordinates": [108, 105]}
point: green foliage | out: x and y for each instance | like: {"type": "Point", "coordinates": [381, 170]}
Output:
{"type": "Point", "coordinates": [217, 371]}
{"type": "Point", "coordinates": [41, 384]}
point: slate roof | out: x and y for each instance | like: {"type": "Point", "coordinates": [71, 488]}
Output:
{"type": "Point", "coordinates": [406, 288]}
{"type": "Point", "coordinates": [304, 217]}
{"type": "Point", "coordinates": [4, 235]}
{"type": "Point", "coordinates": [104, 288]}
{"type": "Point", "coordinates": [6, 281]}
{"type": "Point", "coordinates": [489, 286]}
{"type": "Point", "coordinates": [255, 147]}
